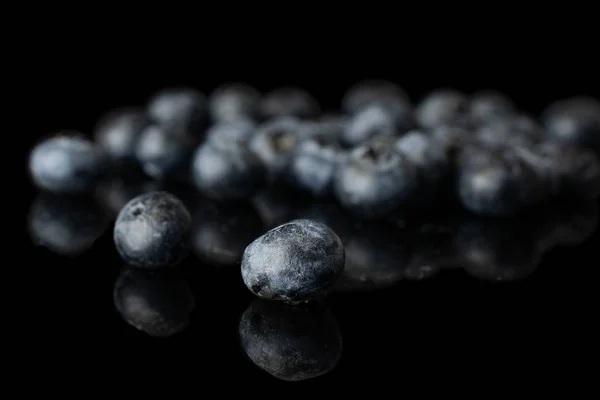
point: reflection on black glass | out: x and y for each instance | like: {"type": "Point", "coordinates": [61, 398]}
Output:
{"type": "Point", "coordinates": [432, 251]}
{"type": "Point", "coordinates": [221, 232]}
{"type": "Point", "coordinates": [290, 343]}
{"type": "Point", "coordinates": [66, 225]}
{"type": "Point", "coordinates": [157, 302]}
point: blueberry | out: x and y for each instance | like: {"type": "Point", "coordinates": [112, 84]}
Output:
{"type": "Point", "coordinates": [289, 102]}
{"type": "Point", "coordinates": [66, 163]}
{"type": "Point", "coordinates": [513, 131]}
{"type": "Point", "coordinates": [240, 131]}
{"type": "Point", "coordinates": [114, 193]}
{"type": "Point", "coordinates": [234, 101]}
{"type": "Point", "coordinates": [227, 171]}
{"type": "Point", "coordinates": [365, 93]}
{"type": "Point", "coordinates": [274, 143]}
{"type": "Point", "coordinates": [294, 262]}
{"type": "Point", "coordinates": [66, 225]}
{"type": "Point", "coordinates": [152, 230]}
{"type": "Point", "coordinates": [575, 121]}
{"type": "Point", "coordinates": [375, 179]}
{"type": "Point", "coordinates": [314, 163]}
{"type": "Point", "coordinates": [179, 111]}
{"type": "Point", "coordinates": [290, 344]}
{"type": "Point", "coordinates": [376, 255]}
{"type": "Point", "coordinates": [441, 107]}
{"type": "Point", "coordinates": [162, 155]}
{"type": "Point", "coordinates": [331, 127]}
{"type": "Point", "coordinates": [452, 137]}
{"type": "Point", "coordinates": [494, 183]}
{"type": "Point", "coordinates": [221, 232]}
{"type": "Point", "coordinates": [500, 250]}
{"type": "Point", "coordinates": [489, 105]}
{"type": "Point", "coordinates": [118, 131]}
{"type": "Point", "coordinates": [157, 303]}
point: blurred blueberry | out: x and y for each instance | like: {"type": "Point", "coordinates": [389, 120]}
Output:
{"type": "Point", "coordinates": [234, 101]}
{"type": "Point", "coordinates": [289, 102]}
{"type": "Point", "coordinates": [179, 111]}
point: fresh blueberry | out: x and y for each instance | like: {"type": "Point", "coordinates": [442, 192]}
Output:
{"type": "Point", "coordinates": [234, 101]}
{"type": "Point", "coordinates": [66, 225]}
{"type": "Point", "coordinates": [240, 131]}
{"type": "Point", "coordinates": [227, 171]}
{"type": "Point", "coordinates": [574, 121]}
{"type": "Point", "coordinates": [489, 105]}
{"type": "Point", "coordinates": [290, 343]}
{"type": "Point", "coordinates": [314, 163]}
{"type": "Point", "coordinates": [378, 119]}
{"type": "Point", "coordinates": [118, 131]}
{"type": "Point", "coordinates": [375, 179]}
{"type": "Point", "coordinates": [511, 131]}
{"type": "Point", "coordinates": [495, 183]}
{"type": "Point", "coordinates": [152, 230]}
{"type": "Point", "coordinates": [221, 232]}
{"type": "Point", "coordinates": [179, 111]}
{"type": "Point", "coordinates": [157, 303]}
{"type": "Point", "coordinates": [441, 107]}
{"type": "Point", "coordinates": [274, 143]}
{"type": "Point", "coordinates": [289, 102]}
{"type": "Point", "coordinates": [368, 92]}
{"type": "Point", "coordinates": [162, 155]}
{"type": "Point", "coordinates": [499, 250]}
{"type": "Point", "coordinates": [294, 262]}
{"type": "Point", "coordinates": [66, 163]}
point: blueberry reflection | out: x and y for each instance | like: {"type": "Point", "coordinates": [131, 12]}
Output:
{"type": "Point", "coordinates": [157, 302]}
{"type": "Point", "coordinates": [433, 251]}
{"type": "Point", "coordinates": [290, 343]}
{"type": "Point", "coordinates": [497, 250]}
{"type": "Point", "coordinates": [221, 232]}
{"type": "Point", "coordinates": [66, 225]}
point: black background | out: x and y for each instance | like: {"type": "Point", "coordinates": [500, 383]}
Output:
{"type": "Point", "coordinates": [447, 326]}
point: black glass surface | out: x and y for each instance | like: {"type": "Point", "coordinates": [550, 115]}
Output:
{"type": "Point", "coordinates": [418, 295]}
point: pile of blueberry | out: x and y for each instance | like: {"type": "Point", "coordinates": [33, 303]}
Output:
{"type": "Point", "coordinates": [379, 157]}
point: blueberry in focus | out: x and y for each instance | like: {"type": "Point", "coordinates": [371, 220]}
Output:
{"type": "Point", "coordinates": [234, 101]}
{"type": "Point", "coordinates": [574, 121]}
{"type": "Point", "coordinates": [162, 155]}
{"type": "Point", "coordinates": [66, 225]}
{"type": "Point", "coordinates": [221, 232]}
{"type": "Point", "coordinates": [157, 303]}
{"type": "Point", "coordinates": [66, 163]}
{"type": "Point", "coordinates": [441, 107]}
{"type": "Point", "coordinates": [227, 171]}
{"type": "Point", "coordinates": [294, 262]}
{"type": "Point", "coordinates": [314, 163]}
{"type": "Point", "coordinates": [378, 119]}
{"type": "Point", "coordinates": [179, 111]}
{"type": "Point", "coordinates": [152, 230]}
{"type": "Point", "coordinates": [489, 105]}
{"type": "Point", "coordinates": [117, 133]}
{"type": "Point", "coordinates": [375, 179]}
{"type": "Point", "coordinates": [240, 131]}
{"type": "Point", "coordinates": [288, 102]}
{"type": "Point", "coordinates": [368, 92]}
{"type": "Point", "coordinates": [290, 343]}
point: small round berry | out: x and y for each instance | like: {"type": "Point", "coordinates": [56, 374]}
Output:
{"type": "Point", "coordinates": [294, 262]}
{"type": "Point", "coordinates": [66, 163]}
{"type": "Point", "coordinates": [575, 121]}
{"type": "Point", "coordinates": [375, 179]}
{"type": "Point", "coordinates": [489, 105]}
{"type": "Point", "coordinates": [157, 303]}
{"type": "Point", "coordinates": [152, 230]}
{"type": "Point", "coordinates": [377, 119]}
{"type": "Point", "coordinates": [289, 102]}
{"type": "Point", "coordinates": [440, 107]}
{"type": "Point", "coordinates": [513, 131]}
{"type": "Point", "coordinates": [291, 344]}
{"type": "Point", "coordinates": [368, 92]}
{"type": "Point", "coordinates": [117, 133]}
{"type": "Point", "coordinates": [234, 101]}
{"type": "Point", "coordinates": [179, 111]}
{"type": "Point", "coordinates": [240, 131]}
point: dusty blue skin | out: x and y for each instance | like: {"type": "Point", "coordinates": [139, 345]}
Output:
{"type": "Point", "coordinates": [157, 303]}
{"type": "Point", "coordinates": [574, 121]}
{"type": "Point", "coordinates": [180, 111]}
{"type": "Point", "coordinates": [234, 101]}
{"type": "Point", "coordinates": [314, 163]}
{"type": "Point", "coordinates": [489, 105]}
{"type": "Point", "coordinates": [227, 171]}
{"type": "Point", "coordinates": [66, 164]}
{"type": "Point", "coordinates": [289, 102]}
{"type": "Point", "coordinates": [440, 107]}
{"type": "Point", "coordinates": [239, 131]}
{"type": "Point", "coordinates": [118, 131]}
{"type": "Point", "coordinates": [152, 230]}
{"type": "Point", "coordinates": [375, 179]}
{"type": "Point", "coordinates": [66, 225]}
{"type": "Point", "coordinates": [367, 92]}
{"type": "Point", "coordinates": [290, 343]}
{"type": "Point", "coordinates": [294, 262]}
